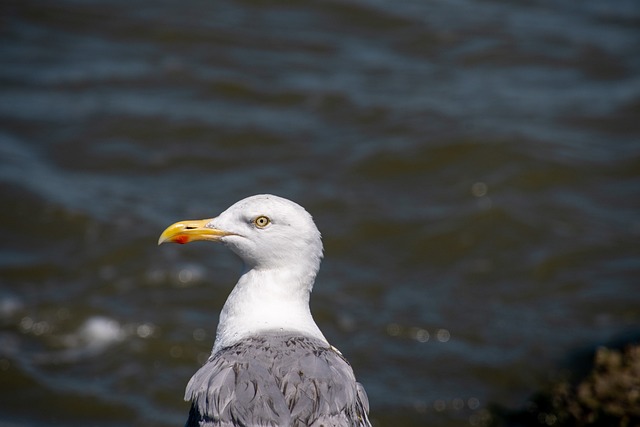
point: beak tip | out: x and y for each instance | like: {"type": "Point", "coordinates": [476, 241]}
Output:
{"type": "Point", "coordinates": [162, 239]}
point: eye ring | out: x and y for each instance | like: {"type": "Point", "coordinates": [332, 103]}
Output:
{"type": "Point", "coordinates": [261, 221]}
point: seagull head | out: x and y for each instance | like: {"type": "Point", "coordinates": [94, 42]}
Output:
{"type": "Point", "coordinates": [265, 231]}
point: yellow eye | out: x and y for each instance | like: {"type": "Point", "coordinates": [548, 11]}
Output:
{"type": "Point", "coordinates": [261, 221]}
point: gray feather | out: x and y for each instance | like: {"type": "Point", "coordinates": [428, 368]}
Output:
{"type": "Point", "coordinates": [277, 380]}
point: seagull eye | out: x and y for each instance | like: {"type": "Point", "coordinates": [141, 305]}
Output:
{"type": "Point", "coordinates": [261, 221]}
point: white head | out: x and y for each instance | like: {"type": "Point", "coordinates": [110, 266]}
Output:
{"type": "Point", "coordinates": [270, 232]}
{"type": "Point", "coordinates": [265, 231]}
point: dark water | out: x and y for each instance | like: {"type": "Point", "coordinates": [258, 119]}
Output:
{"type": "Point", "coordinates": [474, 167]}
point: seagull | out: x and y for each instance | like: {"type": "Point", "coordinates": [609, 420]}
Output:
{"type": "Point", "coordinates": [270, 364]}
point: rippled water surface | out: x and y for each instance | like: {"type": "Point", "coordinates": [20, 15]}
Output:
{"type": "Point", "coordinates": [474, 167]}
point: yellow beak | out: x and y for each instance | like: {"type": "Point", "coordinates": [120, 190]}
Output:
{"type": "Point", "coordinates": [191, 230]}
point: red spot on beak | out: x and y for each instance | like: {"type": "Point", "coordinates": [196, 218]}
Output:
{"type": "Point", "coordinates": [182, 239]}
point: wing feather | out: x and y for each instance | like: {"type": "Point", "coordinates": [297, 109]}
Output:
{"type": "Point", "coordinates": [276, 380]}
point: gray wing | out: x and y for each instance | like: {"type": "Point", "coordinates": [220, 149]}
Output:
{"type": "Point", "coordinates": [229, 391]}
{"type": "Point", "coordinates": [276, 380]}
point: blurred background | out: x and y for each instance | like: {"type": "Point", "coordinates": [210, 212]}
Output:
{"type": "Point", "coordinates": [473, 165]}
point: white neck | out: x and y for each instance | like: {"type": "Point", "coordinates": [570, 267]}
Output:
{"type": "Point", "coordinates": [267, 299]}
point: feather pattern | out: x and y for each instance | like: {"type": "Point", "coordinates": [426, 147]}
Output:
{"type": "Point", "coordinates": [277, 379]}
